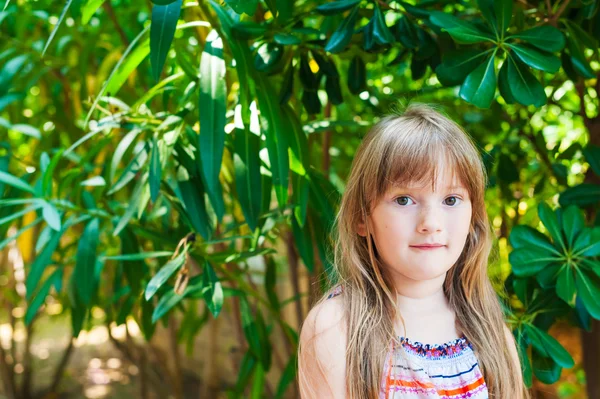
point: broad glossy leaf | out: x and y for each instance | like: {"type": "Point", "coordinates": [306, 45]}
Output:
{"type": "Point", "coordinates": [357, 75]}
{"type": "Point", "coordinates": [592, 156]}
{"type": "Point", "coordinates": [537, 59]}
{"type": "Point", "coordinates": [86, 261]}
{"type": "Point", "coordinates": [212, 108]}
{"type": "Point", "coordinates": [565, 285]}
{"type": "Point", "coordinates": [524, 87]}
{"type": "Point", "coordinates": [529, 261]}
{"type": "Point", "coordinates": [582, 195]}
{"type": "Point", "coordinates": [162, 31]}
{"type": "Point", "coordinates": [545, 369]}
{"type": "Point", "coordinates": [247, 30]}
{"type": "Point", "coordinates": [336, 7]}
{"type": "Point", "coordinates": [588, 289]}
{"type": "Point", "coordinates": [243, 6]}
{"type": "Point", "coordinates": [286, 39]}
{"type": "Point", "coordinates": [577, 51]}
{"type": "Point", "coordinates": [268, 56]}
{"type": "Point", "coordinates": [544, 37]}
{"type": "Point", "coordinates": [456, 65]}
{"type": "Point", "coordinates": [572, 223]}
{"type": "Point", "coordinates": [381, 33]}
{"type": "Point", "coordinates": [342, 36]}
{"type": "Point", "coordinates": [522, 236]}
{"type": "Point", "coordinates": [461, 31]}
{"type": "Point", "coordinates": [550, 221]}
{"type": "Point", "coordinates": [548, 346]}
{"type": "Point", "coordinates": [503, 10]}
{"type": "Point", "coordinates": [480, 85]}
{"type": "Point", "coordinates": [164, 273]}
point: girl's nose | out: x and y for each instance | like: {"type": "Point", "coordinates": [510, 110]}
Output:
{"type": "Point", "coordinates": [429, 220]}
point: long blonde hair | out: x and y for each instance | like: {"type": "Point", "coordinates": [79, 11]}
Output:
{"type": "Point", "coordinates": [407, 147]}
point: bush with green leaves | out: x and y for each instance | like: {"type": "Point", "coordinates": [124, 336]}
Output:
{"type": "Point", "coordinates": [168, 157]}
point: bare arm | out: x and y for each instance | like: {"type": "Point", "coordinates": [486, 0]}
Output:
{"type": "Point", "coordinates": [322, 359]}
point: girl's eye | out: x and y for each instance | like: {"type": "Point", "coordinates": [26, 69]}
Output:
{"type": "Point", "coordinates": [453, 200]}
{"type": "Point", "coordinates": [402, 200]}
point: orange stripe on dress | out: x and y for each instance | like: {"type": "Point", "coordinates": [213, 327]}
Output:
{"type": "Point", "coordinates": [465, 389]}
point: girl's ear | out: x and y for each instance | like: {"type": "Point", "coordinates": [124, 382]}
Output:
{"type": "Point", "coordinates": [361, 229]}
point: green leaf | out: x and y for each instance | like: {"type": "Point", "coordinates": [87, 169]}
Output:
{"type": "Point", "coordinates": [547, 346]}
{"type": "Point", "coordinates": [522, 236]}
{"type": "Point", "coordinates": [336, 7]}
{"type": "Point", "coordinates": [461, 31]}
{"type": "Point", "coordinates": [15, 182]}
{"type": "Point", "coordinates": [545, 37]}
{"type": "Point", "coordinates": [107, 83]}
{"type": "Point", "coordinates": [572, 223]}
{"type": "Point", "coordinates": [155, 170]}
{"type": "Point", "coordinates": [286, 39]}
{"type": "Point", "coordinates": [456, 65]}
{"type": "Point", "coordinates": [170, 299]}
{"type": "Point", "coordinates": [163, 2]}
{"type": "Point", "coordinates": [536, 59]}
{"type": "Point", "coordinates": [58, 23]}
{"type": "Point", "coordinates": [592, 156]}
{"type": "Point", "coordinates": [582, 195]}
{"type": "Point", "coordinates": [247, 30]}
{"type": "Point", "coordinates": [267, 57]}
{"type": "Point", "coordinates": [127, 67]}
{"type": "Point", "coordinates": [165, 272]}
{"type": "Point", "coordinates": [524, 86]}
{"type": "Point", "coordinates": [22, 230]}
{"type": "Point", "coordinates": [40, 297]}
{"type": "Point", "coordinates": [530, 261]}
{"type": "Point", "coordinates": [504, 86]}
{"type": "Point", "coordinates": [212, 107]}
{"type": "Point", "coordinates": [588, 289]}
{"type": "Point", "coordinates": [243, 6]}
{"type": "Point", "coordinates": [303, 241]}
{"type": "Point", "coordinates": [525, 363]}
{"type": "Point", "coordinates": [212, 290]}
{"type": "Point", "coordinates": [51, 216]}
{"type": "Point", "coordinates": [480, 85]}
{"type": "Point", "coordinates": [550, 221]}
{"type": "Point", "coordinates": [357, 75]}
{"type": "Point", "coordinates": [565, 285]}
{"type": "Point", "coordinates": [342, 36]}
{"type": "Point", "coordinates": [138, 256]}
{"type": "Point", "coordinates": [192, 197]}
{"type": "Point", "coordinates": [381, 33]}
{"type": "Point", "coordinates": [503, 10]}
{"type": "Point", "coordinates": [162, 31]}
{"type": "Point", "coordinates": [246, 163]}
{"type": "Point", "coordinates": [86, 261]}
{"type": "Point", "coordinates": [287, 377]}
{"type": "Point", "coordinates": [577, 51]}
{"type": "Point", "coordinates": [545, 369]}
{"type": "Point", "coordinates": [9, 72]}
{"type": "Point", "coordinates": [588, 242]}
{"type": "Point", "coordinates": [287, 87]}
{"type": "Point", "coordinates": [276, 138]}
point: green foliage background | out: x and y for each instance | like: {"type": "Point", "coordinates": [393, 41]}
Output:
{"type": "Point", "coordinates": [125, 127]}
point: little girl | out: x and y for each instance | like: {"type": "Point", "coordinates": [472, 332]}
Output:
{"type": "Point", "coordinates": [413, 314]}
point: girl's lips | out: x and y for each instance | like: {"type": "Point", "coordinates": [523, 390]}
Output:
{"type": "Point", "coordinates": [427, 247]}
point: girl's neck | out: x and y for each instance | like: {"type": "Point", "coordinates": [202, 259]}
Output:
{"type": "Point", "coordinates": [417, 297]}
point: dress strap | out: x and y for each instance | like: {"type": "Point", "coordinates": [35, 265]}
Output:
{"type": "Point", "coordinates": [337, 290]}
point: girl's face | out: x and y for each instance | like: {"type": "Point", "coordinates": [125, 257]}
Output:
{"type": "Point", "coordinates": [420, 233]}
